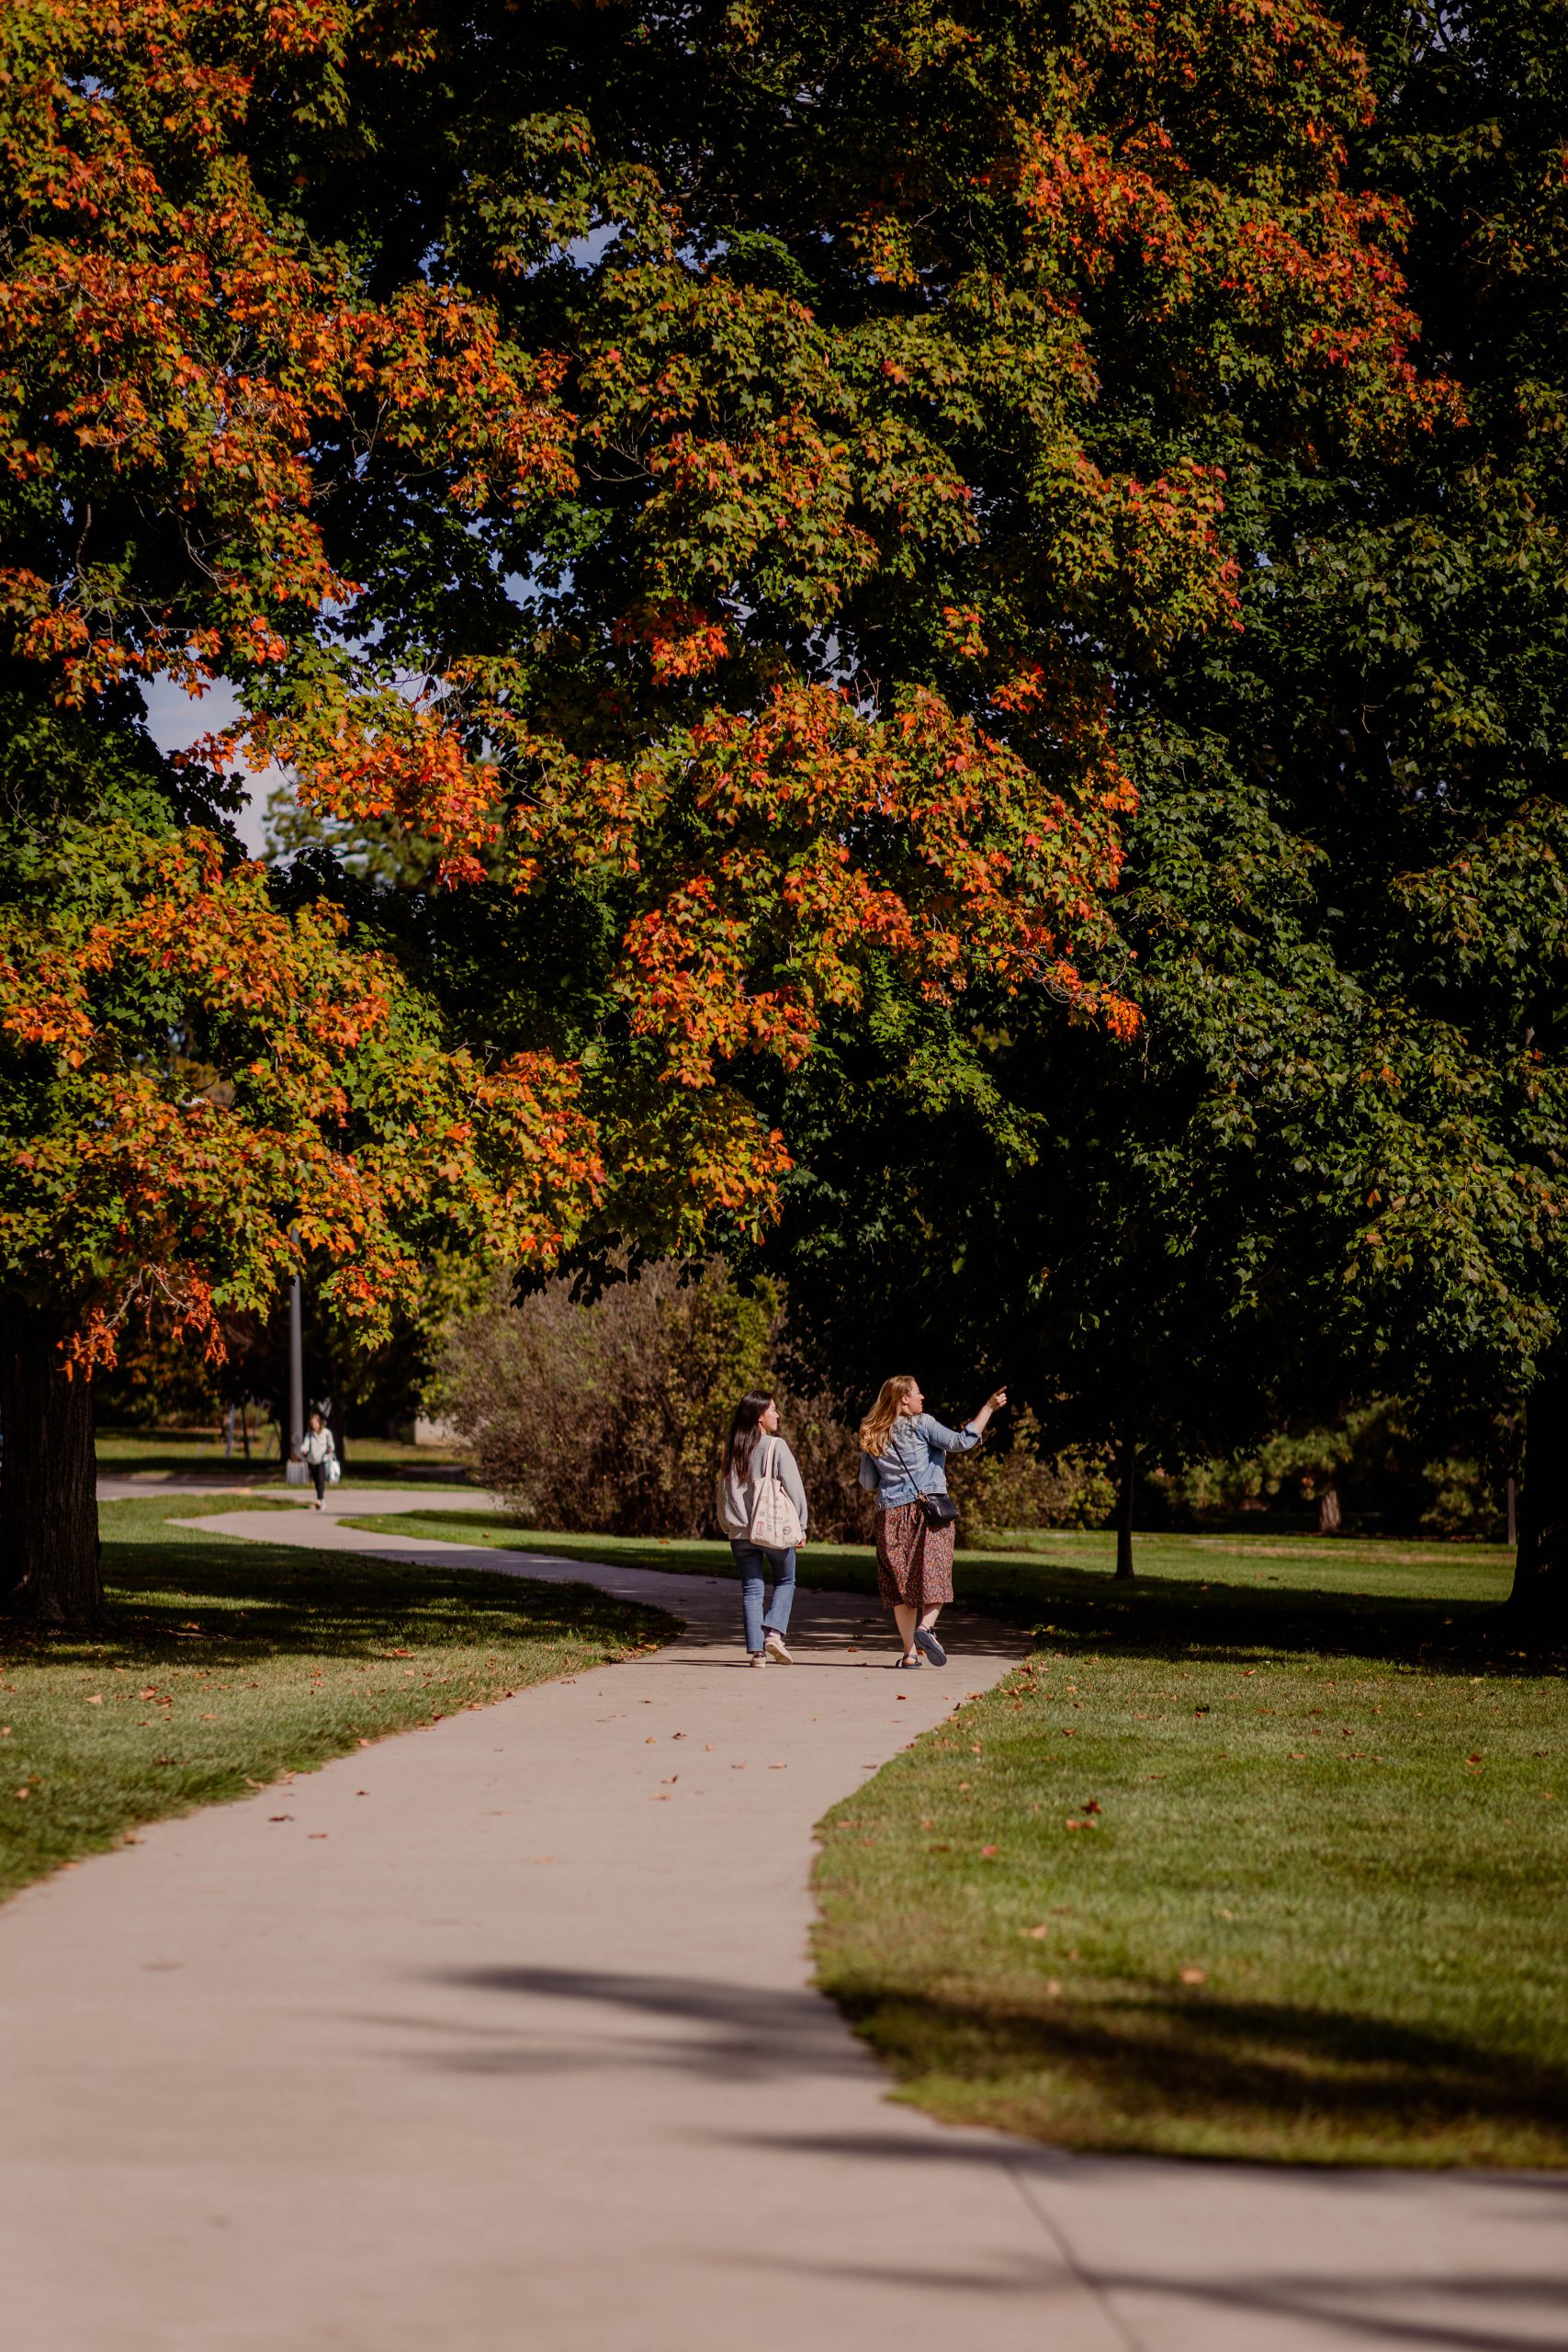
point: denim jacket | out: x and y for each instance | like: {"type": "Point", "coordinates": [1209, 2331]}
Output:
{"type": "Point", "coordinates": [914, 1460]}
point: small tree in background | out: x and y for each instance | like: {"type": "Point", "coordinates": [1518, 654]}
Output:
{"type": "Point", "coordinates": [612, 1412]}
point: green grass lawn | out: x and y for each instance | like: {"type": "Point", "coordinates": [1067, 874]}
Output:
{"type": "Point", "coordinates": [233, 1663]}
{"type": "Point", "coordinates": [168, 1454]}
{"type": "Point", "coordinates": [1263, 1858]}
{"type": "Point", "coordinates": [1211, 1880]}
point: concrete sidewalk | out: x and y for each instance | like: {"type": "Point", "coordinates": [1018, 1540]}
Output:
{"type": "Point", "coordinates": [500, 2034]}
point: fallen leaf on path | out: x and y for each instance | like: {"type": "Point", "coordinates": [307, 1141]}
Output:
{"type": "Point", "coordinates": [280, 1816]}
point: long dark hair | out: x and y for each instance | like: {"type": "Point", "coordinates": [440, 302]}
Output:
{"type": "Point", "coordinates": [745, 1429]}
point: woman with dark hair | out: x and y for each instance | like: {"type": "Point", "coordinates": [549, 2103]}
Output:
{"type": "Point", "coordinates": [903, 1461]}
{"type": "Point", "coordinates": [762, 1509]}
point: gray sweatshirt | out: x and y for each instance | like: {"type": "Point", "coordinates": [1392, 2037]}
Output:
{"type": "Point", "coordinates": [736, 1495]}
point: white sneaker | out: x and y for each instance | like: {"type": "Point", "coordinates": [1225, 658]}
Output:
{"type": "Point", "coordinates": [756, 1658]}
{"type": "Point", "coordinates": [775, 1647]}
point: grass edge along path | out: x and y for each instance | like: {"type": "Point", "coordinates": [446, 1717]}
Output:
{"type": "Point", "coordinates": [234, 1664]}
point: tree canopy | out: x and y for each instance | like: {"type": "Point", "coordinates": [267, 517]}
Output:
{"type": "Point", "coordinates": [724, 480]}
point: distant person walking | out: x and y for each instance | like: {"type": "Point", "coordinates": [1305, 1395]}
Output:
{"type": "Point", "coordinates": [318, 1448]}
{"type": "Point", "coordinates": [904, 1463]}
{"type": "Point", "coordinates": [762, 1509]}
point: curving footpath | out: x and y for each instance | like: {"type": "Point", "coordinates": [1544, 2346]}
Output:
{"type": "Point", "coordinates": [503, 2037]}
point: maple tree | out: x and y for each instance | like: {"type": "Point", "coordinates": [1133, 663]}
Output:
{"type": "Point", "coordinates": [708, 476]}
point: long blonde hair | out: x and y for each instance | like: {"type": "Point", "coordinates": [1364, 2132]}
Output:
{"type": "Point", "coordinates": [877, 1426]}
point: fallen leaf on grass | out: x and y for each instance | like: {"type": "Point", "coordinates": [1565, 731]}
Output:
{"type": "Point", "coordinates": [989, 1853]}
{"type": "Point", "coordinates": [1092, 1806]}
{"type": "Point", "coordinates": [1053, 1988]}
{"type": "Point", "coordinates": [1037, 1935]}
{"type": "Point", "coordinates": [1194, 1975]}
{"type": "Point", "coordinates": [1473, 1757]}
{"type": "Point", "coordinates": [96, 1699]}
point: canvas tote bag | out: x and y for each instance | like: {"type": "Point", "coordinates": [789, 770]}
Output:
{"type": "Point", "coordinates": [774, 1523]}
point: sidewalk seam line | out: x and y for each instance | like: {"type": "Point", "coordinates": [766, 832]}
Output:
{"type": "Point", "coordinates": [1046, 2221]}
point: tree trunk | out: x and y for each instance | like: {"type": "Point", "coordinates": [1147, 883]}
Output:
{"type": "Point", "coordinates": [50, 1573]}
{"type": "Point", "coordinates": [1329, 1519]}
{"type": "Point", "coordinates": [1541, 1569]}
{"type": "Point", "coordinates": [1127, 1480]}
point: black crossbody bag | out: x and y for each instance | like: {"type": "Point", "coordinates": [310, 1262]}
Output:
{"type": "Point", "coordinates": [938, 1510]}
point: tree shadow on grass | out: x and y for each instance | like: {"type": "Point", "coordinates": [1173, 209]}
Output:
{"type": "Point", "coordinates": [229, 1604]}
{"type": "Point", "coordinates": [1134, 2066]}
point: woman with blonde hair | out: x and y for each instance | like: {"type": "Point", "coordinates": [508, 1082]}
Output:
{"type": "Point", "coordinates": [903, 1461]}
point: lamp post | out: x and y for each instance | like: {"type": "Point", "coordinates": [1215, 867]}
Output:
{"type": "Point", "coordinates": [296, 1370]}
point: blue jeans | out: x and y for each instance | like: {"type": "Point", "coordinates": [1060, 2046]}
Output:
{"type": "Point", "coordinates": [755, 1565]}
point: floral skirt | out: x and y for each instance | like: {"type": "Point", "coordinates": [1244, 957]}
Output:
{"type": "Point", "coordinates": [914, 1562]}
